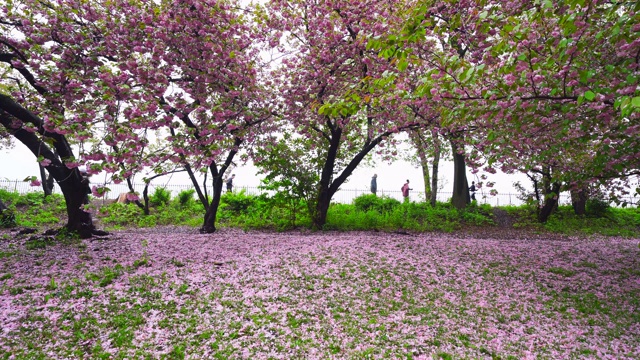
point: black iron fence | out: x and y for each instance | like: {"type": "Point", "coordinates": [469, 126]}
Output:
{"type": "Point", "coordinates": [344, 196]}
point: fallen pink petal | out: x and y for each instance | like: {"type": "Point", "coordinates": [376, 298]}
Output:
{"type": "Point", "coordinates": [170, 292]}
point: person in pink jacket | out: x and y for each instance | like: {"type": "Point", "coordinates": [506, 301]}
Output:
{"type": "Point", "coordinates": [405, 190]}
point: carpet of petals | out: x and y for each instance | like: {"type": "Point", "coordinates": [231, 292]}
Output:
{"type": "Point", "coordinates": [173, 293]}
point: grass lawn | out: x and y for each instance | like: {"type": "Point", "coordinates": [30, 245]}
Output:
{"type": "Point", "coordinates": [171, 293]}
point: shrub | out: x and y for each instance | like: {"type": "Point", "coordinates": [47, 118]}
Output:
{"type": "Point", "coordinates": [9, 197]}
{"type": "Point", "coordinates": [185, 197]}
{"type": "Point", "coordinates": [365, 202]}
{"type": "Point", "coordinates": [236, 202]}
{"type": "Point", "coordinates": [31, 199]}
{"type": "Point", "coordinates": [160, 197]}
{"type": "Point", "coordinates": [381, 204]}
{"type": "Point", "coordinates": [7, 219]}
{"type": "Point", "coordinates": [597, 207]}
{"type": "Point", "coordinates": [120, 214]}
{"type": "Point", "coordinates": [387, 204]}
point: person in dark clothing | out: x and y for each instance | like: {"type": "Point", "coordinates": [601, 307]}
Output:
{"type": "Point", "coordinates": [472, 190]}
{"type": "Point", "coordinates": [230, 183]}
{"type": "Point", "coordinates": [374, 184]}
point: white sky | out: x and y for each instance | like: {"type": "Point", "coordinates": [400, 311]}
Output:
{"type": "Point", "coordinates": [18, 163]}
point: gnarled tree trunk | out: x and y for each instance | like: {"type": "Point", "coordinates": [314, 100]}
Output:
{"type": "Point", "coordinates": [73, 185]}
{"type": "Point", "coordinates": [579, 199]}
{"type": "Point", "coordinates": [460, 197]}
{"type": "Point", "coordinates": [551, 196]}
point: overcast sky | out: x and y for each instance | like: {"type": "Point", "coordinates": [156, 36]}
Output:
{"type": "Point", "coordinates": [18, 163]}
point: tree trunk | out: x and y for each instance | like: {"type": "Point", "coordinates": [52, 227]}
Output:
{"type": "Point", "coordinates": [217, 177]}
{"type": "Point", "coordinates": [436, 163]}
{"type": "Point", "coordinates": [73, 185]}
{"type": "Point", "coordinates": [421, 145]}
{"type": "Point", "coordinates": [322, 208]}
{"type": "Point", "coordinates": [75, 196]}
{"type": "Point", "coordinates": [145, 197]}
{"type": "Point", "coordinates": [579, 201]}
{"type": "Point", "coordinates": [203, 197]}
{"type": "Point", "coordinates": [209, 224]}
{"type": "Point", "coordinates": [551, 196]}
{"type": "Point", "coordinates": [319, 216]}
{"type": "Point", "coordinates": [46, 183]}
{"type": "Point", "coordinates": [144, 208]}
{"type": "Point", "coordinates": [460, 197]}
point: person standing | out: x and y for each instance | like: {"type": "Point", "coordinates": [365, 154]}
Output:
{"type": "Point", "coordinates": [230, 183]}
{"type": "Point", "coordinates": [405, 190]}
{"type": "Point", "coordinates": [472, 191]}
{"type": "Point", "coordinates": [374, 184]}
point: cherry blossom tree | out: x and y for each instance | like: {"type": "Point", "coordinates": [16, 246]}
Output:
{"type": "Point", "coordinates": [547, 87]}
{"type": "Point", "coordinates": [184, 74]}
{"type": "Point", "coordinates": [430, 46]}
{"type": "Point", "coordinates": [213, 102]}
{"type": "Point", "coordinates": [21, 117]}
{"type": "Point", "coordinates": [325, 81]}
{"type": "Point", "coordinates": [567, 85]}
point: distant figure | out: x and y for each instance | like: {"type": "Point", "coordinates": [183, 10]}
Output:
{"type": "Point", "coordinates": [230, 183]}
{"type": "Point", "coordinates": [472, 191]}
{"type": "Point", "coordinates": [405, 190]}
{"type": "Point", "coordinates": [374, 184]}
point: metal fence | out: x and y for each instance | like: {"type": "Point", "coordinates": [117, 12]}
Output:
{"type": "Point", "coordinates": [344, 196]}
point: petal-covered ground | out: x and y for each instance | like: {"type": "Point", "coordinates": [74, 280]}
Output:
{"type": "Point", "coordinates": [172, 293]}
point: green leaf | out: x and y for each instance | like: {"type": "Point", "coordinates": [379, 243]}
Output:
{"type": "Point", "coordinates": [467, 74]}
{"type": "Point", "coordinates": [402, 65]}
{"type": "Point", "coordinates": [615, 30]}
{"type": "Point", "coordinates": [635, 102]}
{"type": "Point", "coordinates": [491, 135]}
{"type": "Point", "coordinates": [563, 43]}
{"type": "Point", "coordinates": [590, 95]}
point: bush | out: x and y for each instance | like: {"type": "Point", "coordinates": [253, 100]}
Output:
{"type": "Point", "coordinates": [381, 204]}
{"type": "Point", "coordinates": [597, 207]}
{"type": "Point", "coordinates": [185, 197]}
{"type": "Point", "coordinates": [121, 214]}
{"type": "Point", "coordinates": [390, 215]}
{"type": "Point", "coordinates": [160, 197]}
{"type": "Point", "coordinates": [7, 219]}
{"type": "Point", "coordinates": [9, 197]}
{"type": "Point", "coordinates": [365, 202]}
{"type": "Point", "coordinates": [236, 202]}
